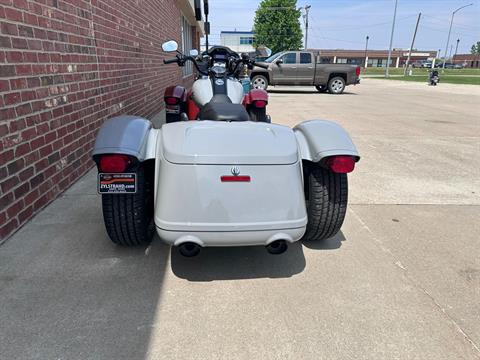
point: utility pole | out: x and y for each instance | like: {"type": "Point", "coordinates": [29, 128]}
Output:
{"type": "Point", "coordinates": [366, 47]}
{"type": "Point", "coordinates": [456, 49]}
{"type": "Point", "coordinates": [449, 31]}
{"type": "Point", "coordinates": [307, 8]}
{"type": "Point", "coordinates": [411, 46]}
{"type": "Point", "coordinates": [391, 38]}
{"type": "Point", "coordinates": [451, 49]}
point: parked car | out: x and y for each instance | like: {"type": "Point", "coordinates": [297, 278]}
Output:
{"type": "Point", "coordinates": [427, 64]}
{"type": "Point", "coordinates": [303, 68]}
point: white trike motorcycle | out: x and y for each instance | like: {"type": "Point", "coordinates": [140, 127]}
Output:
{"type": "Point", "coordinates": [224, 179]}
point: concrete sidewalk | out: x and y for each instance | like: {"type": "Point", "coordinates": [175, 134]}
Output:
{"type": "Point", "coordinates": [401, 281]}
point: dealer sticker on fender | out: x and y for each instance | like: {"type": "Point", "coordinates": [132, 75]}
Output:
{"type": "Point", "coordinates": [117, 183]}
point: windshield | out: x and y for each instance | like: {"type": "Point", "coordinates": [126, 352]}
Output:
{"type": "Point", "coordinates": [271, 58]}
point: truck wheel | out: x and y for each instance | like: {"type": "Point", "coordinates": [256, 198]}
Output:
{"type": "Point", "coordinates": [260, 82]}
{"type": "Point", "coordinates": [259, 115]}
{"type": "Point", "coordinates": [321, 88]}
{"type": "Point", "coordinates": [326, 195]}
{"type": "Point", "coordinates": [336, 85]}
{"type": "Point", "coordinates": [129, 217]}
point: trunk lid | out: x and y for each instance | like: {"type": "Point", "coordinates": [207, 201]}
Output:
{"type": "Point", "coordinates": [213, 142]}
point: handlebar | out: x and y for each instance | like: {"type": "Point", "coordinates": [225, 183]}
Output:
{"type": "Point", "coordinates": [244, 60]}
{"type": "Point", "coordinates": [171, 61]}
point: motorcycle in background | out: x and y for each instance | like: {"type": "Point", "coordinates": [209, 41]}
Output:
{"type": "Point", "coordinates": [433, 78]}
{"type": "Point", "coordinates": [221, 79]}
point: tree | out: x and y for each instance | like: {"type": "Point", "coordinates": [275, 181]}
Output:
{"type": "Point", "coordinates": [277, 25]}
{"type": "Point", "coordinates": [476, 48]}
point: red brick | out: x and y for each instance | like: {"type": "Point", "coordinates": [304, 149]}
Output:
{"type": "Point", "coordinates": [14, 209]}
{"type": "Point", "coordinates": [14, 15]}
{"type": "Point", "coordinates": [12, 98]}
{"type": "Point", "coordinates": [8, 184]}
{"type": "Point", "coordinates": [5, 42]}
{"type": "Point", "coordinates": [6, 200]}
{"type": "Point", "coordinates": [8, 228]}
{"type": "Point", "coordinates": [25, 214]}
{"type": "Point", "coordinates": [24, 109]}
{"type": "Point", "coordinates": [23, 69]}
{"type": "Point", "coordinates": [22, 149]}
{"type": "Point", "coordinates": [9, 29]}
{"type": "Point", "coordinates": [17, 84]}
{"type": "Point", "coordinates": [4, 85]}
{"type": "Point", "coordinates": [19, 43]}
{"type": "Point", "coordinates": [7, 70]}
{"type": "Point", "coordinates": [26, 174]}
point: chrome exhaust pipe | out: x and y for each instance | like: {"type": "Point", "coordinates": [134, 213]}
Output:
{"type": "Point", "coordinates": [189, 249]}
{"type": "Point", "coordinates": [277, 247]}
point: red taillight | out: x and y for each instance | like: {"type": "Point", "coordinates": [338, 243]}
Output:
{"type": "Point", "coordinates": [357, 71]}
{"type": "Point", "coordinates": [172, 100]}
{"type": "Point", "coordinates": [341, 164]}
{"type": "Point", "coordinates": [114, 163]}
{"type": "Point", "coordinates": [239, 178]}
{"type": "Point", "coordinates": [260, 104]}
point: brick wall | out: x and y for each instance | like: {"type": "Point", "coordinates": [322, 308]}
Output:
{"type": "Point", "coordinates": [65, 67]}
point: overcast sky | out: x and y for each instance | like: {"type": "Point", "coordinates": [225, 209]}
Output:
{"type": "Point", "coordinates": [344, 24]}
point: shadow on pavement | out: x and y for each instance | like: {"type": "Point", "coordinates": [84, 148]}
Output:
{"type": "Point", "coordinates": [232, 263]}
{"type": "Point", "coordinates": [69, 293]}
{"type": "Point", "coordinates": [328, 244]}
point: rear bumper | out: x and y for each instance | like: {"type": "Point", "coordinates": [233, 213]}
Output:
{"type": "Point", "coordinates": [231, 238]}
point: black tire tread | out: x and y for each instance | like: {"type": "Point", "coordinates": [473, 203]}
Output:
{"type": "Point", "coordinates": [128, 220]}
{"type": "Point", "coordinates": [327, 202]}
{"type": "Point", "coordinates": [258, 115]}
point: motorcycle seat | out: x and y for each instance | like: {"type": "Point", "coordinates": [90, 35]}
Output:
{"type": "Point", "coordinates": [222, 111]}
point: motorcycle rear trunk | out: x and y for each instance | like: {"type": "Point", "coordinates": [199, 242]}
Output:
{"type": "Point", "coordinates": [240, 179]}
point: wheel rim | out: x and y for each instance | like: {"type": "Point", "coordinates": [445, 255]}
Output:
{"type": "Point", "coordinates": [337, 85]}
{"type": "Point", "coordinates": [259, 83]}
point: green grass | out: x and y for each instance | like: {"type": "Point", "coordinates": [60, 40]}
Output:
{"type": "Point", "coordinates": [447, 79]}
{"type": "Point", "coordinates": [395, 71]}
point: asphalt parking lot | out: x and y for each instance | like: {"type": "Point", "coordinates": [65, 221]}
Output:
{"type": "Point", "coordinates": [401, 280]}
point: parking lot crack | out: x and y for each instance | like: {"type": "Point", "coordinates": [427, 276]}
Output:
{"type": "Point", "coordinates": [416, 284]}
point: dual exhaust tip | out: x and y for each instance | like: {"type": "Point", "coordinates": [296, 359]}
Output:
{"type": "Point", "coordinates": [191, 249]}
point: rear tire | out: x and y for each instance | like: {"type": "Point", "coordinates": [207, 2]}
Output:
{"type": "Point", "coordinates": [260, 82]}
{"type": "Point", "coordinates": [259, 115]}
{"type": "Point", "coordinates": [321, 88]}
{"type": "Point", "coordinates": [170, 118]}
{"type": "Point", "coordinates": [336, 85]}
{"type": "Point", "coordinates": [326, 195]}
{"type": "Point", "coordinates": [129, 217]}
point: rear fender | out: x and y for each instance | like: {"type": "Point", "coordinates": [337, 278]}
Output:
{"type": "Point", "coordinates": [178, 92]}
{"type": "Point", "coordinates": [255, 95]}
{"type": "Point", "coordinates": [128, 135]}
{"type": "Point", "coordinates": [319, 139]}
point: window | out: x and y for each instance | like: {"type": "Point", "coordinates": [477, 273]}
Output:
{"type": "Point", "coordinates": [246, 40]}
{"type": "Point", "coordinates": [341, 60]}
{"type": "Point", "coordinates": [325, 60]}
{"type": "Point", "coordinates": [289, 58]}
{"type": "Point", "coordinates": [186, 46]}
{"type": "Point", "coordinates": [305, 58]}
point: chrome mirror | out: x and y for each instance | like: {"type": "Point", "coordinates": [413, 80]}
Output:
{"type": "Point", "coordinates": [194, 53]}
{"type": "Point", "coordinates": [170, 46]}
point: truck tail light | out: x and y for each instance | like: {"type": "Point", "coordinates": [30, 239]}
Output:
{"type": "Point", "coordinates": [341, 164]}
{"type": "Point", "coordinates": [115, 163]}
{"type": "Point", "coordinates": [260, 104]}
{"type": "Point", "coordinates": [172, 100]}
{"type": "Point", "coordinates": [357, 71]}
